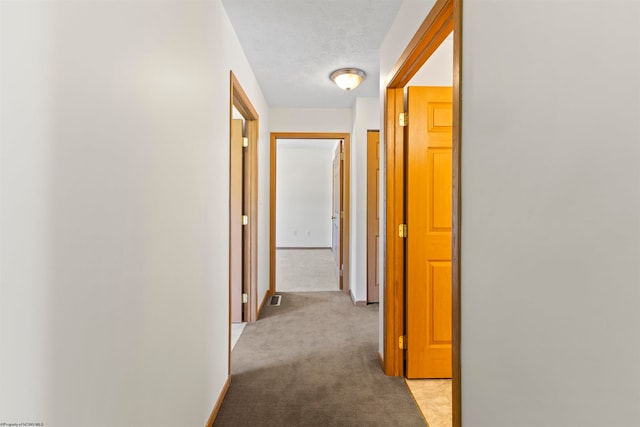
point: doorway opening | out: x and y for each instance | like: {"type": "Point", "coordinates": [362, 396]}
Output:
{"type": "Point", "coordinates": [444, 17]}
{"type": "Point", "coordinates": [308, 205]}
{"type": "Point", "coordinates": [298, 238]}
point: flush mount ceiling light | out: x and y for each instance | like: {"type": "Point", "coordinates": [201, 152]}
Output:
{"type": "Point", "coordinates": [347, 78]}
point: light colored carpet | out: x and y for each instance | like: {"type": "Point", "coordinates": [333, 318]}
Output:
{"type": "Point", "coordinates": [312, 361]}
{"type": "Point", "coordinates": [305, 270]}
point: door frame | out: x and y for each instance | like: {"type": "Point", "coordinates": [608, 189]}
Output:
{"type": "Point", "coordinates": [373, 194]}
{"type": "Point", "coordinates": [237, 235]}
{"type": "Point", "coordinates": [239, 99]}
{"type": "Point", "coordinates": [344, 241]}
{"type": "Point", "coordinates": [445, 16]}
{"type": "Point", "coordinates": [338, 154]}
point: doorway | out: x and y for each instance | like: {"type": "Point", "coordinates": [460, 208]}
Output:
{"type": "Point", "coordinates": [308, 205]}
{"type": "Point", "coordinates": [444, 17]}
{"type": "Point", "coordinates": [341, 220]}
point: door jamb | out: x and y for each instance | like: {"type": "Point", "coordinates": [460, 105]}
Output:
{"type": "Point", "coordinates": [240, 100]}
{"type": "Point", "coordinates": [372, 256]}
{"type": "Point", "coordinates": [444, 17]}
{"type": "Point", "coordinates": [272, 200]}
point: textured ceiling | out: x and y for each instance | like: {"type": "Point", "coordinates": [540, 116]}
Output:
{"type": "Point", "coordinates": [293, 46]}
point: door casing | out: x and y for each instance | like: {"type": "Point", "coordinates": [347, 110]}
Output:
{"type": "Point", "coordinates": [239, 99]}
{"type": "Point", "coordinates": [237, 236]}
{"type": "Point", "coordinates": [445, 16]}
{"type": "Point", "coordinates": [373, 215]}
{"type": "Point", "coordinates": [337, 206]}
{"type": "Point", "coordinates": [272, 200]}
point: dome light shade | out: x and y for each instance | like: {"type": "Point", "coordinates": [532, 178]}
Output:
{"type": "Point", "coordinates": [347, 78]}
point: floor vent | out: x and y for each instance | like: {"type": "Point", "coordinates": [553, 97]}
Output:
{"type": "Point", "coordinates": [275, 300]}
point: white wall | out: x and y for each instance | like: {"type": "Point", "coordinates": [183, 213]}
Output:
{"type": "Point", "coordinates": [409, 18]}
{"type": "Point", "coordinates": [366, 116]}
{"type": "Point", "coordinates": [551, 207]}
{"type": "Point", "coordinates": [114, 168]}
{"type": "Point", "coordinates": [310, 120]}
{"type": "Point", "coordinates": [551, 213]}
{"type": "Point", "coordinates": [438, 70]}
{"type": "Point", "coordinates": [405, 25]}
{"type": "Point", "coordinates": [304, 174]}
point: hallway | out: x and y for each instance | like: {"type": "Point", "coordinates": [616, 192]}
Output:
{"type": "Point", "coordinates": [313, 361]}
{"type": "Point", "coordinates": [318, 358]}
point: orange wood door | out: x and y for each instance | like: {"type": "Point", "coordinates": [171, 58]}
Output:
{"type": "Point", "coordinates": [336, 208]}
{"type": "Point", "coordinates": [235, 220]}
{"type": "Point", "coordinates": [373, 217]}
{"type": "Point", "coordinates": [429, 186]}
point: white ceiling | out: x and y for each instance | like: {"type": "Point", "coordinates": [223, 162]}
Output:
{"type": "Point", "coordinates": [293, 46]}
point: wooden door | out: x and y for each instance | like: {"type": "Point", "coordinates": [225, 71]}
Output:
{"type": "Point", "coordinates": [373, 217]}
{"type": "Point", "coordinates": [235, 220]}
{"type": "Point", "coordinates": [336, 209]}
{"type": "Point", "coordinates": [429, 192]}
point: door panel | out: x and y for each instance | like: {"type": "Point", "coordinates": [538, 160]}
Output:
{"type": "Point", "coordinates": [235, 220]}
{"type": "Point", "coordinates": [428, 296]}
{"type": "Point", "coordinates": [373, 220]}
{"type": "Point", "coordinates": [440, 317]}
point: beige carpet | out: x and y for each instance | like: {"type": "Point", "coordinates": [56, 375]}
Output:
{"type": "Point", "coordinates": [305, 270]}
{"type": "Point", "coordinates": [312, 361]}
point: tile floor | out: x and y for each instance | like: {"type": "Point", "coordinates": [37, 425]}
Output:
{"type": "Point", "coordinates": [434, 400]}
{"type": "Point", "coordinates": [236, 331]}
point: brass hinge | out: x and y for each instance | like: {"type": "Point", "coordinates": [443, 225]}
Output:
{"type": "Point", "coordinates": [245, 219]}
{"type": "Point", "coordinates": [245, 141]}
{"type": "Point", "coordinates": [245, 298]}
{"type": "Point", "coordinates": [402, 230]}
{"type": "Point", "coordinates": [404, 119]}
{"type": "Point", "coordinates": [341, 271]}
{"type": "Point", "coordinates": [342, 156]}
{"type": "Point", "coordinates": [402, 342]}
{"type": "Point", "coordinates": [341, 214]}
